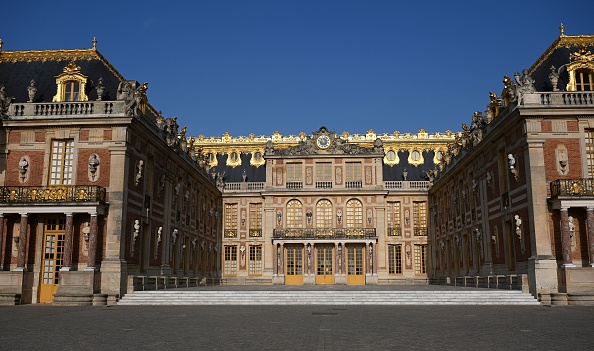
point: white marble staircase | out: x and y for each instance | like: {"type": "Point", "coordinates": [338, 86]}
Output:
{"type": "Point", "coordinates": [198, 296]}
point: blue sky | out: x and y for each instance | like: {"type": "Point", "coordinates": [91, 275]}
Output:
{"type": "Point", "coordinates": [261, 66]}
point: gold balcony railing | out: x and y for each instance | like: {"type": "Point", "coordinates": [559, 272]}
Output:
{"type": "Point", "coordinates": [230, 233]}
{"type": "Point", "coordinates": [572, 187]}
{"type": "Point", "coordinates": [255, 232]}
{"type": "Point", "coordinates": [394, 231]}
{"type": "Point", "coordinates": [52, 194]}
{"type": "Point", "coordinates": [420, 231]}
{"type": "Point", "coordinates": [324, 233]}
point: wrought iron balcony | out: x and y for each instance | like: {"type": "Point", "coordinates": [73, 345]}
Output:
{"type": "Point", "coordinates": [52, 194]}
{"type": "Point", "coordinates": [394, 231]}
{"type": "Point", "coordinates": [230, 233]}
{"type": "Point", "coordinates": [572, 187]}
{"type": "Point", "coordinates": [420, 231]}
{"type": "Point", "coordinates": [324, 233]}
{"type": "Point", "coordinates": [256, 233]}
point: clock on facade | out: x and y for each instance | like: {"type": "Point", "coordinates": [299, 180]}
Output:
{"type": "Point", "coordinates": [323, 142]}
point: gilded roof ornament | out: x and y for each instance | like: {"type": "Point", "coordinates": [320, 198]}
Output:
{"type": "Point", "coordinates": [71, 68]}
{"type": "Point", "coordinates": [1, 45]}
{"type": "Point", "coordinates": [562, 29]}
{"type": "Point", "coordinates": [94, 41]}
{"type": "Point", "coordinates": [581, 56]}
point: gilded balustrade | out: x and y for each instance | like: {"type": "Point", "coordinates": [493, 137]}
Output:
{"type": "Point", "coordinates": [52, 194]}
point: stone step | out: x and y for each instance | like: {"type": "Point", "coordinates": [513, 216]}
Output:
{"type": "Point", "coordinates": [288, 297]}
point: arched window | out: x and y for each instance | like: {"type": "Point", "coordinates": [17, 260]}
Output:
{"type": "Point", "coordinates": [324, 214]}
{"type": "Point", "coordinates": [294, 214]}
{"type": "Point", "coordinates": [354, 214]}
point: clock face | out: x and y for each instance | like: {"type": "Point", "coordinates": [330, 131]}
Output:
{"type": "Point", "coordinates": [323, 141]}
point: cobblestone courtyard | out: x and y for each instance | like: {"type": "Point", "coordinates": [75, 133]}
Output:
{"type": "Point", "coordinates": [46, 327]}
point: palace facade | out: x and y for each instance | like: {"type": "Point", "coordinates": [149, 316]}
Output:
{"type": "Point", "coordinates": [325, 208]}
{"type": "Point", "coordinates": [96, 186]}
{"type": "Point", "coordinates": [100, 194]}
{"type": "Point", "coordinates": [514, 196]}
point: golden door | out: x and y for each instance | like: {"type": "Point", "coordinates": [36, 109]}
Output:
{"type": "Point", "coordinates": [53, 258]}
{"type": "Point", "coordinates": [355, 264]}
{"type": "Point", "coordinates": [294, 265]}
{"type": "Point", "coordinates": [324, 266]}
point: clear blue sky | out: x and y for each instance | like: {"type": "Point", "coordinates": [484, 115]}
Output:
{"type": "Point", "coordinates": [260, 66]}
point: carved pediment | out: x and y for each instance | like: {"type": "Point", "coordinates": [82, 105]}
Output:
{"type": "Point", "coordinates": [325, 142]}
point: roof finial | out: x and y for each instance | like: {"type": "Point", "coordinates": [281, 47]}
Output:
{"type": "Point", "coordinates": [562, 29]}
{"type": "Point", "coordinates": [94, 43]}
{"type": "Point", "coordinates": [0, 45]}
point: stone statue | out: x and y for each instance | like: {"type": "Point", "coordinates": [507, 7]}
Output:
{"type": "Point", "coordinates": [139, 166]}
{"type": "Point", "coordinates": [525, 85]}
{"type": "Point", "coordinates": [405, 174]}
{"type": "Point", "coordinates": [23, 167]}
{"type": "Point", "coordinates": [5, 102]}
{"type": "Point", "coordinates": [511, 161]}
{"type": "Point", "coordinates": [269, 148]}
{"type": "Point", "coordinates": [518, 223]}
{"type": "Point", "coordinates": [554, 78]}
{"type": "Point", "coordinates": [100, 89]}
{"type": "Point", "coordinates": [93, 165]}
{"type": "Point", "coordinates": [31, 90]}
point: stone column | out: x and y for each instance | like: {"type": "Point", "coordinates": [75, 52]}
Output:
{"type": "Point", "coordinates": [22, 246]}
{"type": "Point", "coordinates": [336, 258]}
{"type": "Point", "coordinates": [374, 259]}
{"type": "Point", "coordinates": [68, 244]}
{"type": "Point", "coordinates": [92, 243]}
{"type": "Point", "coordinates": [367, 258]}
{"type": "Point", "coordinates": [281, 259]}
{"type": "Point", "coordinates": [590, 212]}
{"type": "Point", "coordinates": [565, 239]}
{"type": "Point", "coordinates": [1, 236]}
{"type": "Point", "coordinates": [275, 259]}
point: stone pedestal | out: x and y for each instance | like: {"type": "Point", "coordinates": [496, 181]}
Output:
{"type": "Point", "coordinates": [278, 279]}
{"type": "Point", "coordinates": [542, 275]}
{"type": "Point", "coordinates": [579, 280]}
{"type": "Point", "coordinates": [11, 288]}
{"type": "Point", "coordinates": [114, 279]}
{"type": "Point", "coordinates": [371, 279]}
{"type": "Point", "coordinates": [340, 279]}
{"type": "Point", "coordinates": [309, 279]}
{"type": "Point", "coordinates": [75, 288]}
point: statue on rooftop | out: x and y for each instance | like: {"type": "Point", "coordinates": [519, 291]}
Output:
{"type": "Point", "coordinates": [525, 85]}
{"type": "Point", "coordinates": [31, 90]}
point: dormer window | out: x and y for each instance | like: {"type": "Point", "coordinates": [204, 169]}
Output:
{"type": "Point", "coordinates": [581, 69]}
{"type": "Point", "coordinates": [71, 85]}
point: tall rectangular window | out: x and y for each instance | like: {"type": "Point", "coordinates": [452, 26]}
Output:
{"type": "Point", "coordinates": [294, 172]}
{"type": "Point", "coordinates": [62, 161]}
{"type": "Point", "coordinates": [590, 151]}
{"type": "Point", "coordinates": [395, 259]}
{"type": "Point", "coordinates": [394, 215]}
{"type": "Point", "coordinates": [420, 259]}
{"type": "Point", "coordinates": [256, 220]}
{"type": "Point", "coordinates": [230, 262]}
{"type": "Point", "coordinates": [353, 171]}
{"type": "Point", "coordinates": [323, 172]}
{"type": "Point", "coordinates": [230, 220]}
{"type": "Point", "coordinates": [584, 80]}
{"type": "Point", "coordinates": [255, 260]}
{"type": "Point", "coordinates": [420, 218]}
